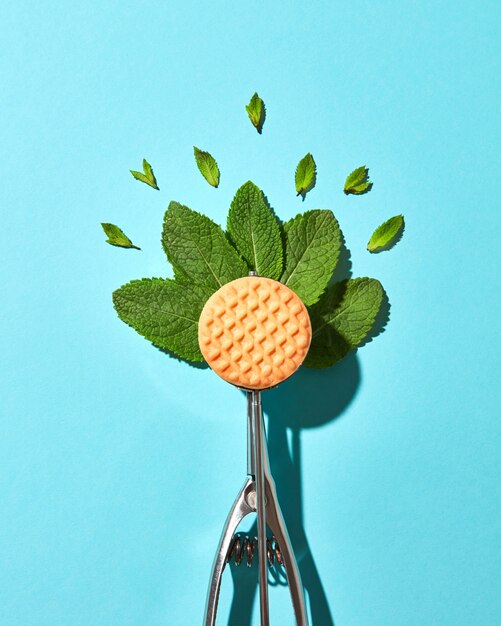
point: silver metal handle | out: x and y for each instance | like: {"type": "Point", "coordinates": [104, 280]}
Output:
{"type": "Point", "coordinates": [247, 503]}
{"type": "Point", "coordinates": [259, 436]}
{"type": "Point", "coordinates": [243, 505]}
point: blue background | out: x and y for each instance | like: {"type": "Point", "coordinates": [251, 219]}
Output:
{"type": "Point", "coordinates": [117, 463]}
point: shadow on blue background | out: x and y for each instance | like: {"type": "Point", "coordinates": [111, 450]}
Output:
{"type": "Point", "coordinates": [310, 399]}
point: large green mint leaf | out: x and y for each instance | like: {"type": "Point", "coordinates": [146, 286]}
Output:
{"type": "Point", "coordinates": [198, 249]}
{"type": "Point", "coordinates": [306, 173]}
{"type": "Point", "coordinates": [342, 319]}
{"type": "Point", "coordinates": [165, 312]}
{"type": "Point", "coordinates": [254, 230]}
{"type": "Point", "coordinates": [357, 183]}
{"type": "Point", "coordinates": [207, 165]}
{"type": "Point", "coordinates": [386, 235]}
{"type": "Point", "coordinates": [148, 177]}
{"type": "Point", "coordinates": [312, 246]}
{"type": "Point", "coordinates": [117, 237]}
{"type": "Point", "coordinates": [256, 112]}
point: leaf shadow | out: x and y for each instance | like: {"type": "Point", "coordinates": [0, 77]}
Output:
{"type": "Point", "coordinates": [279, 223]}
{"type": "Point", "coordinates": [393, 241]}
{"type": "Point", "coordinates": [381, 321]}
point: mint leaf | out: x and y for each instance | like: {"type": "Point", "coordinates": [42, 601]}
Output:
{"type": "Point", "coordinates": [342, 318]}
{"type": "Point", "coordinates": [198, 249]}
{"type": "Point", "coordinates": [116, 236]}
{"type": "Point", "coordinates": [306, 174]}
{"type": "Point", "coordinates": [357, 182]}
{"type": "Point", "coordinates": [164, 312]}
{"type": "Point", "coordinates": [256, 112]}
{"type": "Point", "coordinates": [312, 246]}
{"type": "Point", "coordinates": [148, 177]}
{"type": "Point", "coordinates": [386, 235]}
{"type": "Point", "coordinates": [207, 165]}
{"type": "Point", "coordinates": [254, 230]}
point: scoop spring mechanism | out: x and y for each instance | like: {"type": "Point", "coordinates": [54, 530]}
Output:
{"type": "Point", "coordinates": [243, 549]}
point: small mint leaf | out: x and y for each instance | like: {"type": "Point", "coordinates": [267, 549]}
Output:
{"type": "Point", "coordinates": [198, 249]}
{"type": "Point", "coordinates": [148, 177]}
{"type": "Point", "coordinates": [164, 312]}
{"type": "Point", "coordinates": [358, 182]}
{"type": "Point", "coordinates": [386, 235]}
{"type": "Point", "coordinates": [116, 236]}
{"type": "Point", "coordinates": [312, 247]}
{"type": "Point", "coordinates": [207, 165]}
{"type": "Point", "coordinates": [148, 170]}
{"type": "Point", "coordinates": [256, 112]}
{"type": "Point", "coordinates": [342, 318]}
{"type": "Point", "coordinates": [306, 174]}
{"type": "Point", "coordinates": [254, 230]}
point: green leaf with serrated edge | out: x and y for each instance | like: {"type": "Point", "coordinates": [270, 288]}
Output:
{"type": "Point", "coordinates": [198, 249]}
{"type": "Point", "coordinates": [312, 247]}
{"type": "Point", "coordinates": [358, 182]}
{"type": "Point", "coordinates": [254, 230]}
{"type": "Point", "coordinates": [385, 235]}
{"type": "Point", "coordinates": [164, 312]}
{"type": "Point", "coordinates": [147, 177]}
{"type": "Point", "coordinates": [306, 172]}
{"type": "Point", "coordinates": [116, 236]}
{"type": "Point", "coordinates": [207, 165]}
{"type": "Point", "coordinates": [342, 318]}
{"type": "Point", "coordinates": [140, 176]}
{"type": "Point", "coordinates": [256, 112]}
{"type": "Point", "coordinates": [148, 170]}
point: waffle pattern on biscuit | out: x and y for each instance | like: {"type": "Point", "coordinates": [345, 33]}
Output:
{"type": "Point", "coordinates": [254, 332]}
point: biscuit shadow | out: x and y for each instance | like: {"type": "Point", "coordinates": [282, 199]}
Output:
{"type": "Point", "coordinates": [310, 399]}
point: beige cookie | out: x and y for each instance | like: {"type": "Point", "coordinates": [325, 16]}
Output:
{"type": "Point", "coordinates": [254, 332]}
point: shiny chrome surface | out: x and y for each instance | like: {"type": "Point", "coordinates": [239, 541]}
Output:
{"type": "Point", "coordinates": [249, 500]}
{"type": "Point", "coordinates": [243, 550]}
